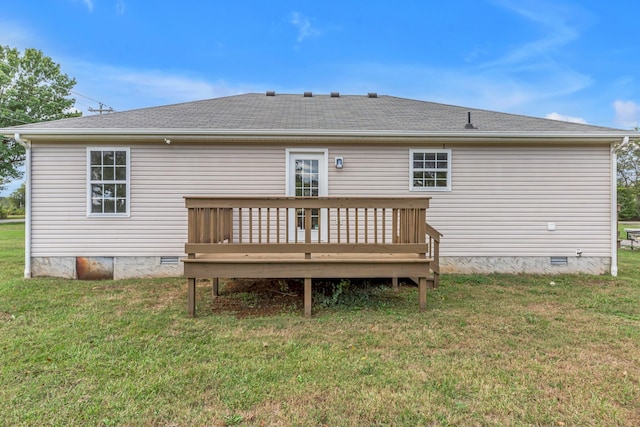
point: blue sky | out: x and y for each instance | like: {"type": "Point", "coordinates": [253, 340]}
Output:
{"type": "Point", "coordinates": [572, 60]}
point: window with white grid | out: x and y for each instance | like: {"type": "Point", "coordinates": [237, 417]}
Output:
{"type": "Point", "coordinates": [108, 181]}
{"type": "Point", "coordinates": [307, 185]}
{"type": "Point", "coordinates": [430, 170]}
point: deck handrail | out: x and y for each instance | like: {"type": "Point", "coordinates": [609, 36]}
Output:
{"type": "Point", "coordinates": [368, 221]}
{"type": "Point", "coordinates": [305, 202]}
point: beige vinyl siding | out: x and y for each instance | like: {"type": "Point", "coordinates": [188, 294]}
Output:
{"type": "Point", "coordinates": [502, 197]}
{"type": "Point", "coordinates": [160, 176]}
{"type": "Point", "coordinates": [501, 201]}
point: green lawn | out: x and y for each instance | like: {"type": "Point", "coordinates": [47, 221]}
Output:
{"type": "Point", "coordinates": [489, 350]}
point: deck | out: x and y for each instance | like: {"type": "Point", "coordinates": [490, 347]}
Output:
{"type": "Point", "coordinates": [325, 237]}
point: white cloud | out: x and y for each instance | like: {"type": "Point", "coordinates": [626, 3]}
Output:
{"type": "Point", "coordinates": [489, 89]}
{"type": "Point", "coordinates": [72, 110]}
{"type": "Point", "coordinates": [627, 113]}
{"type": "Point", "coordinates": [152, 83]}
{"type": "Point", "coordinates": [89, 4]}
{"type": "Point", "coordinates": [552, 23]}
{"type": "Point", "coordinates": [528, 73]}
{"type": "Point", "coordinates": [563, 118]}
{"type": "Point", "coordinates": [127, 88]}
{"type": "Point", "coordinates": [526, 79]}
{"type": "Point", "coordinates": [302, 23]}
{"type": "Point", "coordinates": [15, 35]}
{"type": "Point", "coordinates": [120, 7]}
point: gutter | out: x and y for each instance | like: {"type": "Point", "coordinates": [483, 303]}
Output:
{"type": "Point", "coordinates": [27, 223]}
{"type": "Point", "coordinates": [152, 133]}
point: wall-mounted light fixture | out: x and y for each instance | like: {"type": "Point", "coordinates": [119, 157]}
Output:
{"type": "Point", "coordinates": [339, 162]}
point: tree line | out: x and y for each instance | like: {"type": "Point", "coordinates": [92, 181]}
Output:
{"type": "Point", "coordinates": [629, 180]}
{"type": "Point", "coordinates": [14, 204]}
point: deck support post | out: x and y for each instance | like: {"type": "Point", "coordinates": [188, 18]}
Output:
{"type": "Point", "coordinates": [191, 296]}
{"type": "Point", "coordinates": [394, 283]}
{"type": "Point", "coordinates": [422, 293]}
{"type": "Point", "coordinates": [215, 292]}
{"type": "Point", "coordinates": [307, 297]}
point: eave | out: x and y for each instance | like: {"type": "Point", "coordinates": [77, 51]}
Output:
{"type": "Point", "coordinates": [304, 135]}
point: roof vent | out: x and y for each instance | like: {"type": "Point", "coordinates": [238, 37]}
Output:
{"type": "Point", "coordinates": [372, 95]}
{"type": "Point", "coordinates": [335, 94]}
{"type": "Point", "coordinates": [271, 93]}
{"type": "Point", "coordinates": [308, 95]}
{"type": "Point", "coordinates": [469, 125]}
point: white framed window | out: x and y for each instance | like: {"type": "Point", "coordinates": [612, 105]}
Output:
{"type": "Point", "coordinates": [430, 170]}
{"type": "Point", "coordinates": [108, 187]}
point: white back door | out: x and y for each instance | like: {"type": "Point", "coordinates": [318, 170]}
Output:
{"type": "Point", "coordinates": [307, 177]}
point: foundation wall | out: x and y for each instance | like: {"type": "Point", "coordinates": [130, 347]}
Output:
{"type": "Point", "coordinates": [92, 268]}
{"type": "Point", "coordinates": [150, 267]}
{"type": "Point", "coordinates": [525, 265]}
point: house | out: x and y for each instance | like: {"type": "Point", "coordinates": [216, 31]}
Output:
{"type": "Point", "coordinates": [510, 193]}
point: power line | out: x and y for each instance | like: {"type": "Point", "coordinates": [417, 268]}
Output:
{"type": "Point", "coordinates": [83, 103]}
{"type": "Point", "coordinates": [84, 96]}
{"type": "Point", "coordinates": [14, 119]}
{"type": "Point", "coordinates": [103, 108]}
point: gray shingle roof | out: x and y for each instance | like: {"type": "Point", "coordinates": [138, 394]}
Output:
{"type": "Point", "coordinates": [321, 112]}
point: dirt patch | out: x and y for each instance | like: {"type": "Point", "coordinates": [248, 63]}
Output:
{"type": "Point", "coordinates": [263, 297]}
{"type": "Point", "coordinates": [6, 317]}
{"type": "Point", "coordinates": [259, 297]}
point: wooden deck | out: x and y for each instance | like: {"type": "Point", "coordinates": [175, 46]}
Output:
{"type": "Point", "coordinates": [287, 237]}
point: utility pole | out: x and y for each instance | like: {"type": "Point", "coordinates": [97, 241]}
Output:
{"type": "Point", "coordinates": [102, 109]}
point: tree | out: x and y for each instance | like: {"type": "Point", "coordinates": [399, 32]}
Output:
{"type": "Point", "coordinates": [628, 202]}
{"type": "Point", "coordinates": [32, 89]}
{"type": "Point", "coordinates": [18, 197]}
{"type": "Point", "coordinates": [629, 179]}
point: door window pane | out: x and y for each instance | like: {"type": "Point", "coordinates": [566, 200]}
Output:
{"type": "Point", "coordinates": [307, 184]}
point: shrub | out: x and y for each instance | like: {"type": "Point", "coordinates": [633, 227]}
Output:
{"type": "Point", "coordinates": [16, 211]}
{"type": "Point", "coordinates": [628, 201]}
{"type": "Point", "coordinates": [345, 292]}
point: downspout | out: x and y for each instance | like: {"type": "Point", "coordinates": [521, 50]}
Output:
{"type": "Point", "coordinates": [614, 207]}
{"type": "Point", "coordinates": [27, 221]}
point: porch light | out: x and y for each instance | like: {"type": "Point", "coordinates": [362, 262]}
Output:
{"type": "Point", "coordinates": [339, 162]}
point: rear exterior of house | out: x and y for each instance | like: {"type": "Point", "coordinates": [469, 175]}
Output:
{"type": "Point", "coordinates": [108, 193]}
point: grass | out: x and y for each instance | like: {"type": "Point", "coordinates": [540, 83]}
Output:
{"type": "Point", "coordinates": [489, 350]}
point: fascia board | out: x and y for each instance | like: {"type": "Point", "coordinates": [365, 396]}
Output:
{"type": "Point", "coordinates": [141, 134]}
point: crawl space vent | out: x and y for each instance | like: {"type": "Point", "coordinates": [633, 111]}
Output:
{"type": "Point", "coordinates": [559, 260]}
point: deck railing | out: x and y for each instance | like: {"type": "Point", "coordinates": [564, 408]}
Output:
{"type": "Point", "coordinates": [320, 224]}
